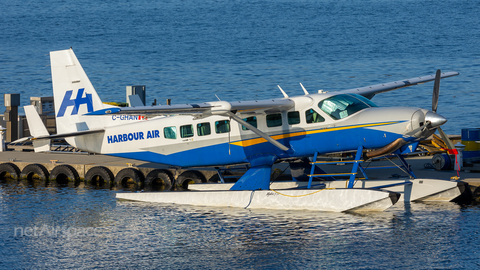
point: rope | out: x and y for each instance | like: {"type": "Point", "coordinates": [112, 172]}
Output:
{"type": "Point", "coordinates": [251, 198]}
{"type": "Point", "coordinates": [296, 196]}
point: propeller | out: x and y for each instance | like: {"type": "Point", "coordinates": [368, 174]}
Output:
{"type": "Point", "coordinates": [432, 119]}
{"type": "Point", "coordinates": [436, 91]}
{"type": "Point", "coordinates": [435, 96]}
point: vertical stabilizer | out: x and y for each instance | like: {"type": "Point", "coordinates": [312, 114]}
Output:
{"type": "Point", "coordinates": [73, 92]}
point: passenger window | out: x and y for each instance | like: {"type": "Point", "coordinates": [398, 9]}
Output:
{"type": "Point", "coordinates": [293, 118]}
{"type": "Point", "coordinates": [312, 116]}
{"type": "Point", "coordinates": [274, 120]}
{"type": "Point", "coordinates": [222, 126]}
{"type": "Point", "coordinates": [170, 132]}
{"type": "Point", "coordinates": [186, 131]}
{"type": "Point", "coordinates": [203, 129]}
{"type": "Point", "coordinates": [251, 120]}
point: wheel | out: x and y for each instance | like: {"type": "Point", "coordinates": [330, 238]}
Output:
{"type": "Point", "coordinates": [64, 174]}
{"type": "Point", "coordinates": [9, 170]}
{"type": "Point", "coordinates": [34, 171]}
{"type": "Point", "coordinates": [441, 162]}
{"type": "Point", "coordinates": [159, 179]}
{"type": "Point", "coordinates": [129, 176]}
{"type": "Point", "coordinates": [190, 177]}
{"type": "Point", "coordinates": [100, 176]}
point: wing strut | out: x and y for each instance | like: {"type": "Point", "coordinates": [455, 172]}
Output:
{"type": "Point", "coordinates": [257, 131]}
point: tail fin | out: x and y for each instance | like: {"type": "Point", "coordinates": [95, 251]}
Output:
{"type": "Point", "coordinates": [37, 129]}
{"type": "Point", "coordinates": [73, 92]}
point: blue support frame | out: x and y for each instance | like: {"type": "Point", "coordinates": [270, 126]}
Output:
{"type": "Point", "coordinates": [356, 167]}
{"type": "Point", "coordinates": [352, 174]}
{"type": "Point", "coordinates": [406, 166]}
{"type": "Point", "coordinates": [310, 178]}
{"type": "Point", "coordinates": [351, 182]}
{"type": "Point", "coordinates": [363, 171]}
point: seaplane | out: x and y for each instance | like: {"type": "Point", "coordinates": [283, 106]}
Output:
{"type": "Point", "coordinates": [258, 133]}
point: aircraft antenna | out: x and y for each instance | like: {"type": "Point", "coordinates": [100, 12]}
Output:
{"type": "Point", "coordinates": [283, 92]}
{"type": "Point", "coordinates": [304, 90]}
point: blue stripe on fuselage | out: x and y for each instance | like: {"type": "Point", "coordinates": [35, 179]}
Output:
{"type": "Point", "coordinates": [305, 145]}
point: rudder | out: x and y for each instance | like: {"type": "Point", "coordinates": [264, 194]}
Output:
{"type": "Point", "coordinates": [74, 94]}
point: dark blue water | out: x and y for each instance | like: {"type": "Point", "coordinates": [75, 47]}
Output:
{"type": "Point", "coordinates": [191, 50]}
{"type": "Point", "coordinates": [72, 228]}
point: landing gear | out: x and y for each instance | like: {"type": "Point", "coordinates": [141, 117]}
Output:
{"type": "Point", "coordinates": [356, 166]}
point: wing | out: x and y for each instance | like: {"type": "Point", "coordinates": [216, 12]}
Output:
{"type": "Point", "coordinates": [205, 109]}
{"type": "Point", "coordinates": [370, 91]}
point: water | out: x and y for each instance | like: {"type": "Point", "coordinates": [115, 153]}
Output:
{"type": "Point", "coordinates": [63, 227]}
{"type": "Point", "coordinates": [191, 50]}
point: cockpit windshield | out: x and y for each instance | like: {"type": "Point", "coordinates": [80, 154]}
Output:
{"type": "Point", "coordinates": [343, 105]}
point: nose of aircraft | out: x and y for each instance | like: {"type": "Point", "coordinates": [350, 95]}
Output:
{"type": "Point", "coordinates": [434, 120]}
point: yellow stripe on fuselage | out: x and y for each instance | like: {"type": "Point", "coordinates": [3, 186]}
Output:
{"type": "Point", "coordinates": [255, 141]}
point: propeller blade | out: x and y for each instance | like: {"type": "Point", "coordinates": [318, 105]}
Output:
{"type": "Point", "coordinates": [436, 91]}
{"type": "Point", "coordinates": [445, 139]}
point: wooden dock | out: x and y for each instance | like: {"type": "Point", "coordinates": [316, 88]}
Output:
{"type": "Point", "coordinates": [83, 162]}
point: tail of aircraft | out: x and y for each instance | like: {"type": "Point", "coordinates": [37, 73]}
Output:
{"type": "Point", "coordinates": [73, 93]}
{"type": "Point", "coordinates": [37, 129]}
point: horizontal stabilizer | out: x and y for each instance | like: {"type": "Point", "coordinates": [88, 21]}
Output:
{"type": "Point", "coordinates": [39, 131]}
{"type": "Point", "coordinates": [70, 134]}
{"type": "Point", "coordinates": [24, 139]}
{"type": "Point", "coordinates": [40, 141]}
